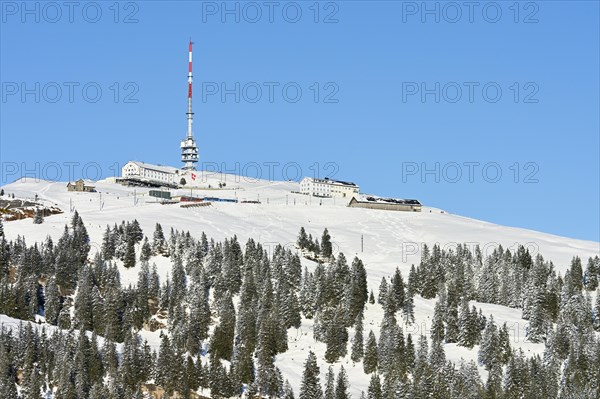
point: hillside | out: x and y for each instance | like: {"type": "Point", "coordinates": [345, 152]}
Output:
{"type": "Point", "coordinates": [390, 240]}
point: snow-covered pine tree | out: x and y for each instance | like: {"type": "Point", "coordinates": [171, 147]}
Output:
{"type": "Point", "coordinates": [310, 386]}
{"type": "Point", "coordinates": [370, 361]}
{"type": "Point", "coordinates": [397, 286]}
{"type": "Point", "coordinates": [146, 251]}
{"type": "Point", "coordinates": [358, 340]}
{"type": "Point", "coordinates": [383, 290]}
{"type": "Point", "coordinates": [329, 384]}
{"type": "Point", "coordinates": [159, 244]}
{"type": "Point", "coordinates": [437, 324]}
{"type": "Point", "coordinates": [38, 217]}
{"type": "Point", "coordinates": [374, 391]}
{"type": "Point", "coordinates": [326, 246]}
{"type": "Point", "coordinates": [342, 385]}
{"type": "Point", "coordinates": [302, 241]}
{"type": "Point", "coordinates": [489, 351]}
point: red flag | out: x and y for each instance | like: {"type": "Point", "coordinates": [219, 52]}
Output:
{"type": "Point", "coordinates": [193, 176]}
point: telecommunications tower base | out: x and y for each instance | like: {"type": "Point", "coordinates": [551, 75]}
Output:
{"type": "Point", "coordinates": [189, 149]}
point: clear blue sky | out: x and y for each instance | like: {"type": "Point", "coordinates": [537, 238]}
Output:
{"type": "Point", "coordinates": [373, 61]}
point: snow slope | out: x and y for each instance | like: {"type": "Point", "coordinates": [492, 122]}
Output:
{"type": "Point", "coordinates": [391, 239]}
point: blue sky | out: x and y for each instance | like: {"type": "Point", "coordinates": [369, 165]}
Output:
{"type": "Point", "coordinates": [528, 157]}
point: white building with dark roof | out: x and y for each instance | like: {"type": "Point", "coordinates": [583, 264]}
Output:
{"type": "Point", "coordinates": [388, 204]}
{"type": "Point", "coordinates": [148, 173]}
{"type": "Point", "coordinates": [328, 188]}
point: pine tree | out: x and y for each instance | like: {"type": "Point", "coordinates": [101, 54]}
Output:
{"type": "Point", "coordinates": [359, 293]}
{"type": "Point", "coordinates": [414, 285]}
{"type": "Point", "coordinates": [576, 274]}
{"type": "Point", "coordinates": [437, 324]}
{"type": "Point", "coordinates": [146, 251]}
{"type": "Point", "coordinates": [437, 355]}
{"type": "Point", "coordinates": [452, 329]}
{"type": "Point", "coordinates": [38, 218]}
{"type": "Point", "coordinates": [370, 360]}
{"type": "Point", "coordinates": [596, 317]}
{"type": "Point", "coordinates": [592, 273]}
{"type": "Point", "coordinates": [336, 337]}
{"type": "Point", "coordinates": [8, 388]}
{"type": "Point", "coordinates": [464, 325]}
{"type": "Point", "coordinates": [330, 384]}
{"type": "Point", "coordinates": [159, 244]}
{"type": "Point", "coordinates": [374, 391]}
{"type": "Point", "coordinates": [288, 392]}
{"type": "Point", "coordinates": [383, 290]}
{"type": "Point", "coordinates": [410, 352]}
{"type": "Point", "coordinates": [397, 286]}
{"type": "Point", "coordinates": [310, 387]}
{"type": "Point", "coordinates": [341, 387]}
{"type": "Point", "coordinates": [326, 247]}
{"type": "Point", "coordinates": [165, 374]}
{"type": "Point", "coordinates": [302, 239]}
{"type": "Point", "coordinates": [52, 303]}
{"type": "Point", "coordinates": [504, 347]}
{"type": "Point", "coordinates": [357, 340]}
{"type": "Point", "coordinates": [489, 351]}
{"type": "Point", "coordinates": [489, 281]}
{"type": "Point", "coordinates": [221, 344]}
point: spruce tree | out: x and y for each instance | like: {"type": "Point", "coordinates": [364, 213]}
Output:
{"type": "Point", "coordinates": [410, 352]}
{"type": "Point", "coordinates": [330, 384]}
{"type": "Point", "coordinates": [342, 385]}
{"type": "Point", "coordinates": [437, 324]}
{"type": "Point", "coordinates": [52, 303]}
{"type": "Point", "coordinates": [397, 286]}
{"type": "Point", "coordinates": [326, 247]}
{"type": "Point", "coordinates": [146, 251]}
{"type": "Point", "coordinates": [165, 375]}
{"type": "Point", "coordinates": [336, 337]}
{"type": "Point", "coordinates": [357, 341]}
{"type": "Point", "coordinates": [159, 244]}
{"type": "Point", "coordinates": [592, 273]}
{"type": "Point", "coordinates": [370, 360]}
{"type": "Point", "coordinates": [302, 239]}
{"type": "Point", "coordinates": [374, 391]}
{"type": "Point", "coordinates": [38, 218]}
{"type": "Point", "coordinates": [464, 325]}
{"type": "Point", "coordinates": [383, 290]}
{"type": "Point", "coordinates": [310, 387]}
{"type": "Point", "coordinates": [288, 392]}
{"type": "Point", "coordinates": [452, 329]}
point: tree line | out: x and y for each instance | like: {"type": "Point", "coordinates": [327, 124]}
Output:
{"type": "Point", "coordinates": [225, 310]}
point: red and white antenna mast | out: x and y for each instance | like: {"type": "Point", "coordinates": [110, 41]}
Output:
{"type": "Point", "coordinates": [189, 149]}
{"type": "Point", "coordinates": [190, 114]}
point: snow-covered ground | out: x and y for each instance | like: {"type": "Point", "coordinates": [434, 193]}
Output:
{"type": "Point", "coordinates": [391, 239]}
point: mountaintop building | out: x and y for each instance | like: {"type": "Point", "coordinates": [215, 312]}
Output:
{"type": "Point", "coordinates": [328, 188]}
{"type": "Point", "coordinates": [145, 174]}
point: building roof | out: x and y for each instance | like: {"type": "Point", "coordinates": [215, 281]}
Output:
{"type": "Point", "coordinates": [327, 180]}
{"type": "Point", "coordinates": [85, 183]}
{"type": "Point", "coordinates": [380, 200]}
{"type": "Point", "coordinates": [158, 168]}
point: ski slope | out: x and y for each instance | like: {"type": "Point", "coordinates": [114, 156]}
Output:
{"type": "Point", "coordinates": [390, 239]}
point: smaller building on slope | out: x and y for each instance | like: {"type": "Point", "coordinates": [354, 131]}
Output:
{"type": "Point", "coordinates": [80, 186]}
{"type": "Point", "coordinates": [388, 204]}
